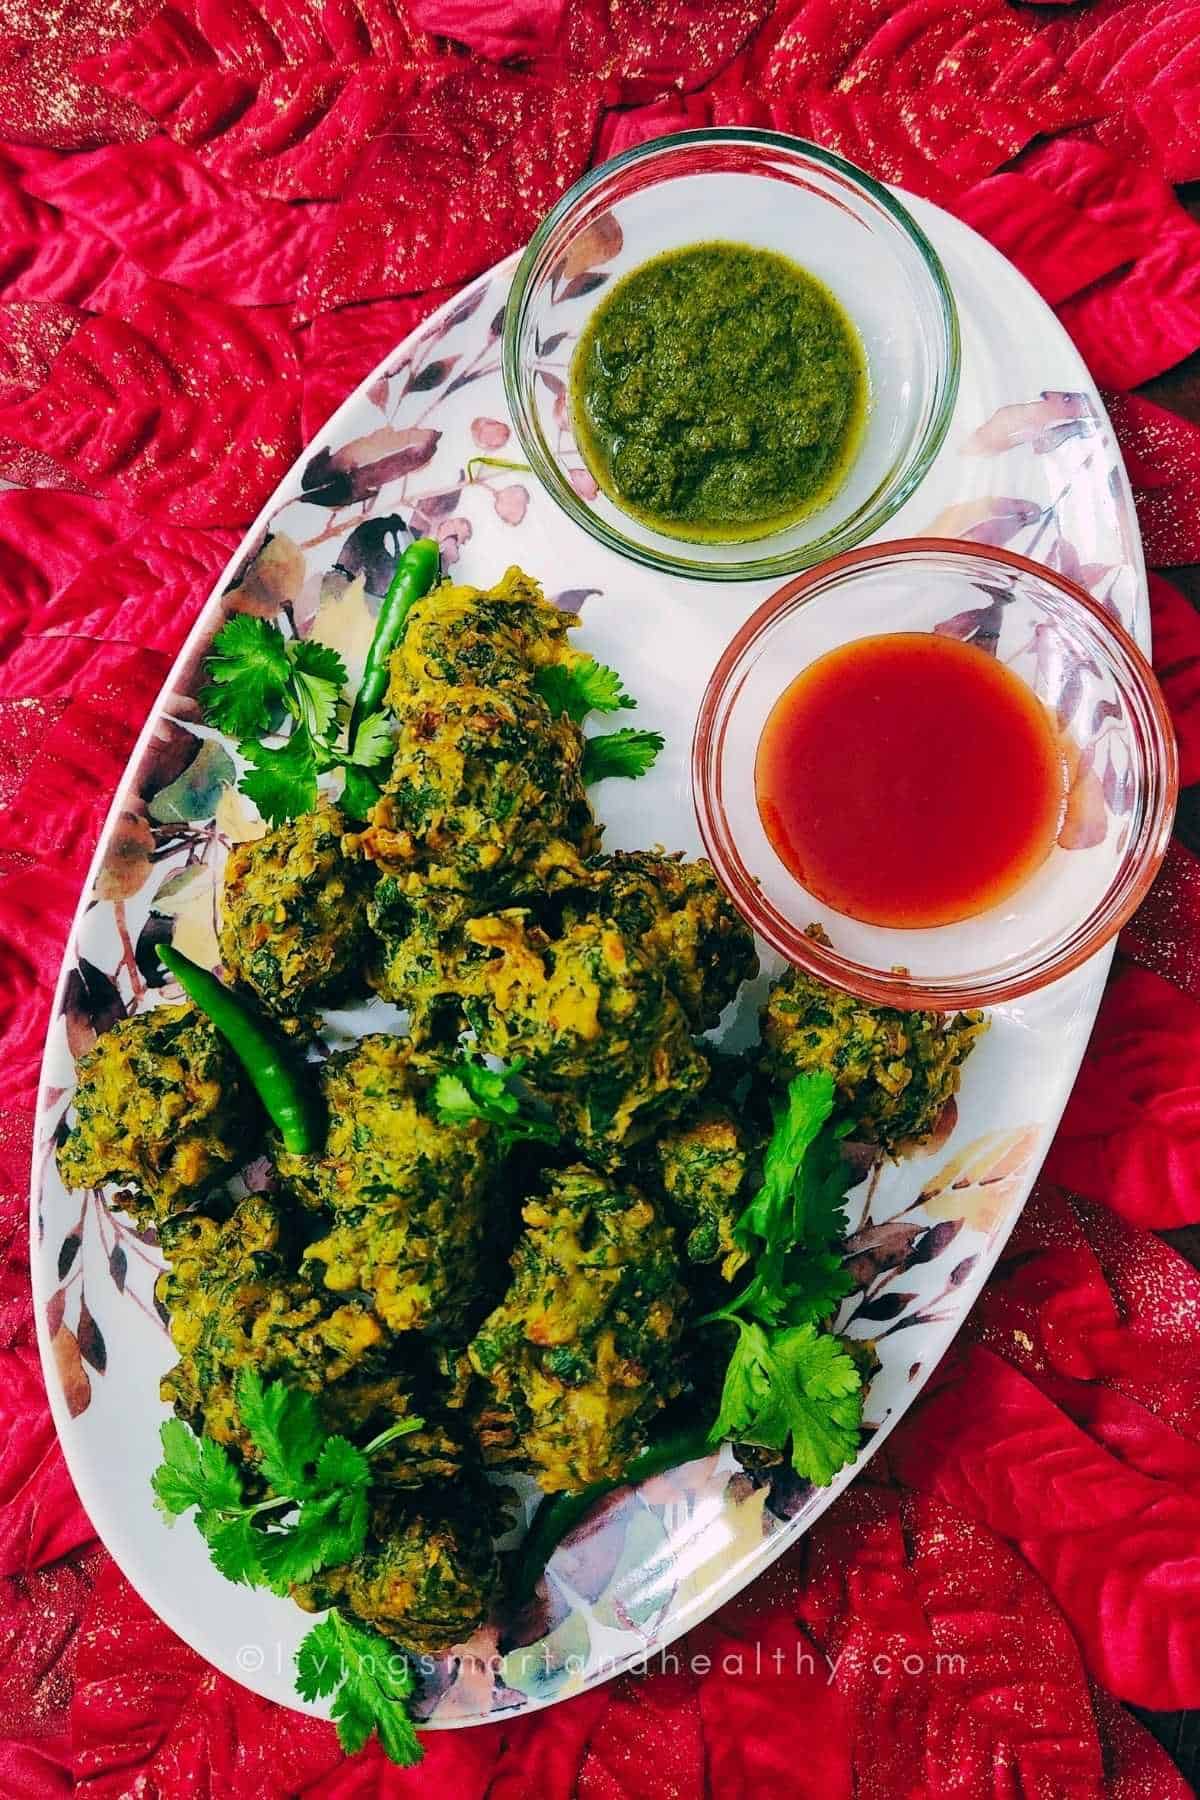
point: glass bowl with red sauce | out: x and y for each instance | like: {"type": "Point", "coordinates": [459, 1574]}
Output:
{"type": "Point", "coordinates": [949, 759]}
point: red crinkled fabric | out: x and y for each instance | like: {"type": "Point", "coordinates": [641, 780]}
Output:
{"type": "Point", "coordinates": [210, 231]}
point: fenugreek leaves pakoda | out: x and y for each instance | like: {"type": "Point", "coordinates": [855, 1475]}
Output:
{"type": "Point", "coordinates": [893, 1070]}
{"type": "Point", "coordinates": [293, 925]}
{"type": "Point", "coordinates": [236, 1298]}
{"type": "Point", "coordinates": [409, 1201]}
{"type": "Point", "coordinates": [581, 1352]}
{"type": "Point", "coordinates": [163, 1111]}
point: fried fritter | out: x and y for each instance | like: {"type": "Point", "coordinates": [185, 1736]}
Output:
{"type": "Point", "coordinates": [411, 1198]}
{"type": "Point", "coordinates": [893, 1070]}
{"type": "Point", "coordinates": [494, 637]}
{"type": "Point", "coordinates": [162, 1108]}
{"type": "Point", "coordinates": [581, 1353]}
{"type": "Point", "coordinates": [484, 795]}
{"type": "Point", "coordinates": [681, 920]}
{"type": "Point", "coordinates": [428, 1574]}
{"type": "Point", "coordinates": [709, 1166]}
{"type": "Point", "coordinates": [235, 1301]}
{"type": "Point", "coordinates": [605, 1040]}
{"type": "Point", "coordinates": [422, 959]}
{"type": "Point", "coordinates": [293, 928]}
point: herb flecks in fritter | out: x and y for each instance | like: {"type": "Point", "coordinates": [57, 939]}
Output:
{"type": "Point", "coordinates": [603, 1037]}
{"type": "Point", "coordinates": [428, 1573]}
{"type": "Point", "coordinates": [293, 927]}
{"type": "Point", "coordinates": [498, 637]}
{"type": "Point", "coordinates": [708, 1167]}
{"type": "Point", "coordinates": [236, 1301]}
{"type": "Point", "coordinates": [163, 1109]}
{"type": "Point", "coordinates": [420, 957]}
{"type": "Point", "coordinates": [893, 1072]}
{"type": "Point", "coordinates": [485, 795]}
{"type": "Point", "coordinates": [682, 921]}
{"type": "Point", "coordinates": [582, 1352]}
{"type": "Point", "coordinates": [410, 1197]}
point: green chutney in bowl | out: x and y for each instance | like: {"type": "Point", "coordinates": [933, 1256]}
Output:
{"type": "Point", "coordinates": [718, 392]}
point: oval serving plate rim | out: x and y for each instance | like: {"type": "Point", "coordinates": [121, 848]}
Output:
{"type": "Point", "coordinates": [739, 1574]}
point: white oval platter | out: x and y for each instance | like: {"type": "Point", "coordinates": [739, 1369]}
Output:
{"type": "Point", "coordinates": [1030, 461]}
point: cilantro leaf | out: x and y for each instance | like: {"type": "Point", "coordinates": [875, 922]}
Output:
{"type": "Point", "coordinates": [234, 1547]}
{"type": "Point", "coordinates": [248, 676]}
{"type": "Point", "coordinates": [373, 741]}
{"type": "Point", "coordinates": [319, 1666]}
{"type": "Point", "coordinates": [285, 1427]}
{"type": "Point", "coordinates": [318, 677]}
{"type": "Point", "coordinates": [773, 1211]}
{"type": "Point", "coordinates": [370, 1683]}
{"type": "Point", "coordinates": [623, 752]}
{"type": "Point", "coordinates": [283, 782]}
{"type": "Point", "coordinates": [815, 1284]}
{"type": "Point", "coordinates": [819, 1203]}
{"type": "Point", "coordinates": [360, 793]}
{"type": "Point", "coordinates": [796, 1385]}
{"type": "Point", "coordinates": [587, 687]}
{"type": "Point", "coordinates": [340, 1464]}
{"type": "Point", "coordinates": [473, 1091]}
{"type": "Point", "coordinates": [195, 1471]}
{"type": "Point", "coordinates": [328, 1529]}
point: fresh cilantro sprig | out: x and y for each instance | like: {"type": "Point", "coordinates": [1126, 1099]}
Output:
{"type": "Point", "coordinates": [585, 688]}
{"type": "Point", "coordinates": [796, 1384]}
{"type": "Point", "coordinates": [795, 1220]}
{"type": "Point", "coordinates": [788, 1381]}
{"type": "Point", "coordinates": [258, 681]}
{"type": "Point", "coordinates": [316, 1513]}
{"type": "Point", "coordinates": [315, 1518]}
{"type": "Point", "coordinates": [588, 687]}
{"type": "Point", "coordinates": [470, 1090]}
{"type": "Point", "coordinates": [623, 752]}
{"type": "Point", "coordinates": [370, 1682]}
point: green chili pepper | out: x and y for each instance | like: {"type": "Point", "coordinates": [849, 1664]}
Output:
{"type": "Point", "coordinates": [559, 1514]}
{"type": "Point", "coordinates": [286, 1096]}
{"type": "Point", "coordinates": [415, 575]}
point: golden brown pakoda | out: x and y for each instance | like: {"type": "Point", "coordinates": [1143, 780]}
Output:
{"type": "Point", "coordinates": [497, 637]}
{"type": "Point", "coordinates": [162, 1109]}
{"type": "Point", "coordinates": [428, 1573]}
{"type": "Point", "coordinates": [293, 928]}
{"type": "Point", "coordinates": [605, 1040]}
{"type": "Point", "coordinates": [235, 1301]}
{"type": "Point", "coordinates": [681, 919]}
{"type": "Point", "coordinates": [411, 1199]}
{"type": "Point", "coordinates": [581, 1353]}
{"type": "Point", "coordinates": [893, 1070]}
{"type": "Point", "coordinates": [484, 795]}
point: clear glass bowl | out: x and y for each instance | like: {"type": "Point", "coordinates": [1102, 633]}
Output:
{"type": "Point", "coordinates": [778, 193]}
{"type": "Point", "coordinates": [1087, 670]}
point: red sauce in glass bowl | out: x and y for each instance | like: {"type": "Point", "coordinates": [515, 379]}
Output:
{"type": "Point", "coordinates": [910, 780]}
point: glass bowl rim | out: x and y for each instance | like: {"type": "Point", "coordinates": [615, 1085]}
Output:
{"type": "Point", "coordinates": [948, 366]}
{"type": "Point", "coordinates": [892, 988]}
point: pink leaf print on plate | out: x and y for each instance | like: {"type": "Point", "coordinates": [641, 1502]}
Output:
{"type": "Point", "coordinates": [357, 470]}
{"type": "Point", "coordinates": [1085, 822]}
{"type": "Point", "coordinates": [452, 534]}
{"type": "Point", "coordinates": [490, 434]}
{"type": "Point", "coordinates": [1042, 424]}
{"type": "Point", "coordinates": [991, 519]}
{"type": "Point", "coordinates": [511, 503]}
